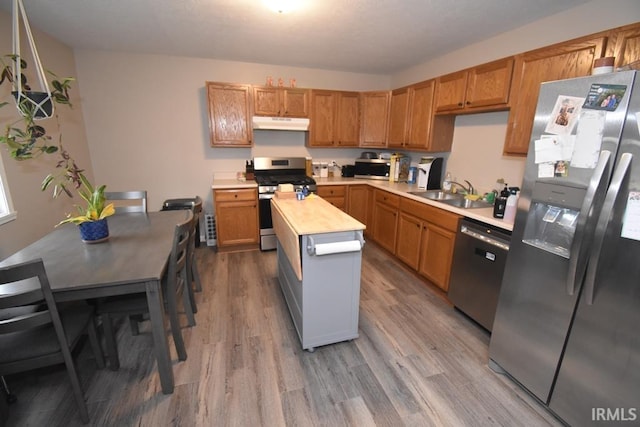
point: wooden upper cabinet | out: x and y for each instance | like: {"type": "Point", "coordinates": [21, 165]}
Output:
{"type": "Point", "coordinates": [624, 44]}
{"type": "Point", "coordinates": [348, 119]}
{"type": "Point", "coordinates": [280, 102]}
{"type": "Point", "coordinates": [489, 84]}
{"type": "Point", "coordinates": [451, 91]}
{"type": "Point", "coordinates": [485, 87]}
{"type": "Point", "coordinates": [229, 114]}
{"type": "Point", "coordinates": [398, 116]}
{"type": "Point", "coordinates": [334, 120]}
{"type": "Point", "coordinates": [412, 124]}
{"type": "Point", "coordinates": [374, 118]}
{"type": "Point", "coordinates": [420, 114]}
{"type": "Point", "coordinates": [557, 62]}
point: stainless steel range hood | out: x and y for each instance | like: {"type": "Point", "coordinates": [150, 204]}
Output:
{"type": "Point", "coordinates": [280, 123]}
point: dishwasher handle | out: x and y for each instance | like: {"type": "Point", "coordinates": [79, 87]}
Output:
{"type": "Point", "coordinates": [484, 237]}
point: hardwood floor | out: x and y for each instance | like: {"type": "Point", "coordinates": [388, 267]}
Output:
{"type": "Point", "coordinates": [417, 362]}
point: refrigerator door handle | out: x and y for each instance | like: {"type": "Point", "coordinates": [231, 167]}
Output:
{"type": "Point", "coordinates": [619, 174]}
{"type": "Point", "coordinates": [596, 189]}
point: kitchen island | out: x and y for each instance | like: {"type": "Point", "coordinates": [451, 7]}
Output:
{"type": "Point", "coordinates": [319, 261]}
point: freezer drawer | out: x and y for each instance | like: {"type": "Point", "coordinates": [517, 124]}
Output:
{"type": "Point", "coordinates": [479, 259]}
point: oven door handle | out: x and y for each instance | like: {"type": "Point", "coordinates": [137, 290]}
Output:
{"type": "Point", "coordinates": [265, 196]}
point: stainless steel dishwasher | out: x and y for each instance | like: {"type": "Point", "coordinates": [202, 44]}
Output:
{"type": "Point", "coordinates": [479, 259]}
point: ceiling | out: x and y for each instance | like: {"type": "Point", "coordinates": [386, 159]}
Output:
{"type": "Point", "coordinates": [363, 36]}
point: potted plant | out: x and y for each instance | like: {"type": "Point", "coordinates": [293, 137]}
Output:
{"type": "Point", "coordinates": [26, 140]}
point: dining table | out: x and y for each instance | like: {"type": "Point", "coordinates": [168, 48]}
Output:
{"type": "Point", "coordinates": [132, 260]}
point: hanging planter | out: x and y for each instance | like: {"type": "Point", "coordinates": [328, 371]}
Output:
{"type": "Point", "coordinates": [25, 140]}
{"type": "Point", "coordinates": [35, 104]}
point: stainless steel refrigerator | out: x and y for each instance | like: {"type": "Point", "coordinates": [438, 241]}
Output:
{"type": "Point", "coordinates": [567, 326]}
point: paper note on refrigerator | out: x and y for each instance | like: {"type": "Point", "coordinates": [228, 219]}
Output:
{"type": "Point", "coordinates": [586, 149]}
{"type": "Point", "coordinates": [547, 149]}
{"type": "Point", "coordinates": [553, 148]}
{"type": "Point", "coordinates": [631, 220]}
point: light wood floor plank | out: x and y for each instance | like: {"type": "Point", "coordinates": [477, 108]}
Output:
{"type": "Point", "coordinates": [417, 362]}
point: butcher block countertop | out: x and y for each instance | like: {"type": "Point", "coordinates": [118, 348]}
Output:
{"type": "Point", "coordinates": [293, 218]}
{"type": "Point", "coordinates": [314, 215]}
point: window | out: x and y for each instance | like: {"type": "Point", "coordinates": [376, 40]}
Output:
{"type": "Point", "coordinates": [6, 207]}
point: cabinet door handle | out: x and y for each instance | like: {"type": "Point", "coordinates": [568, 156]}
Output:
{"type": "Point", "coordinates": [235, 195]}
{"type": "Point", "coordinates": [460, 104]}
{"type": "Point", "coordinates": [468, 102]}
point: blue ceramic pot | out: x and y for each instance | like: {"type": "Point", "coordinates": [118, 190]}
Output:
{"type": "Point", "coordinates": [94, 231]}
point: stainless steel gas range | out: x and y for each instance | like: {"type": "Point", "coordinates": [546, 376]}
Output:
{"type": "Point", "coordinates": [269, 172]}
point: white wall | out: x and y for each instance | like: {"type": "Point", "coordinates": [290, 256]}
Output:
{"type": "Point", "coordinates": [147, 121]}
{"type": "Point", "coordinates": [37, 212]}
{"type": "Point", "coordinates": [476, 154]}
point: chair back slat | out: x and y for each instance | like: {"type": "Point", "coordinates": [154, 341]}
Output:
{"type": "Point", "coordinates": [25, 322]}
{"type": "Point", "coordinates": [128, 201]}
{"type": "Point", "coordinates": [20, 279]}
{"type": "Point", "coordinates": [179, 253]}
{"type": "Point", "coordinates": [20, 295]}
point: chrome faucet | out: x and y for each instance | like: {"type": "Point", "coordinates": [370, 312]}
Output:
{"type": "Point", "coordinates": [468, 190]}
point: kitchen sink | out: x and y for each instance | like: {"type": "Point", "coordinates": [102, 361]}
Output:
{"type": "Point", "coordinates": [457, 200]}
{"type": "Point", "coordinates": [436, 195]}
{"type": "Point", "coordinates": [461, 202]}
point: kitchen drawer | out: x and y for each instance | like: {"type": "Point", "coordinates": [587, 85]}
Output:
{"type": "Point", "coordinates": [387, 198]}
{"type": "Point", "coordinates": [235, 195]}
{"type": "Point", "coordinates": [332, 190]}
{"type": "Point", "coordinates": [447, 220]}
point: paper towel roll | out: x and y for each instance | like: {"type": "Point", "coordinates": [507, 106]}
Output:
{"type": "Point", "coordinates": [338, 247]}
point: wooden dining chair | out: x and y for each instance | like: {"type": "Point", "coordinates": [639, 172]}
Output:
{"type": "Point", "coordinates": [135, 305]}
{"type": "Point", "coordinates": [128, 201]}
{"type": "Point", "coordinates": [194, 275]}
{"type": "Point", "coordinates": [35, 332]}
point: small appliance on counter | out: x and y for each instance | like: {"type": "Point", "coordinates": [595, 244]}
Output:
{"type": "Point", "coordinates": [429, 173]}
{"type": "Point", "coordinates": [372, 168]}
{"type": "Point", "coordinates": [348, 171]}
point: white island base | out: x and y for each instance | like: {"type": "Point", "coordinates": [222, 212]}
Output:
{"type": "Point", "coordinates": [324, 305]}
{"type": "Point", "coordinates": [319, 272]}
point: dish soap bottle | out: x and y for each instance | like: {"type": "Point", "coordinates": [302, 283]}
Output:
{"type": "Point", "coordinates": [500, 204]}
{"type": "Point", "coordinates": [511, 205]}
{"type": "Point", "coordinates": [446, 184]}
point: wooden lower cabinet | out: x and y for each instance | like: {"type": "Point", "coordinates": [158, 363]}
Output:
{"type": "Point", "coordinates": [436, 254]}
{"type": "Point", "coordinates": [360, 205]}
{"type": "Point", "coordinates": [334, 194]}
{"type": "Point", "coordinates": [385, 219]}
{"type": "Point", "coordinates": [408, 245]}
{"type": "Point", "coordinates": [236, 217]}
{"type": "Point", "coordinates": [426, 238]}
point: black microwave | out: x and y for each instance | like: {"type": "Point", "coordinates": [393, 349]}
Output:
{"type": "Point", "coordinates": [372, 168]}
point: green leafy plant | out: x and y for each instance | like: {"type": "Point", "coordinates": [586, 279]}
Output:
{"type": "Point", "coordinates": [26, 140]}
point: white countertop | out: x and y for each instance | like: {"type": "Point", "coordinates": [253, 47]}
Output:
{"type": "Point", "coordinates": [484, 215]}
